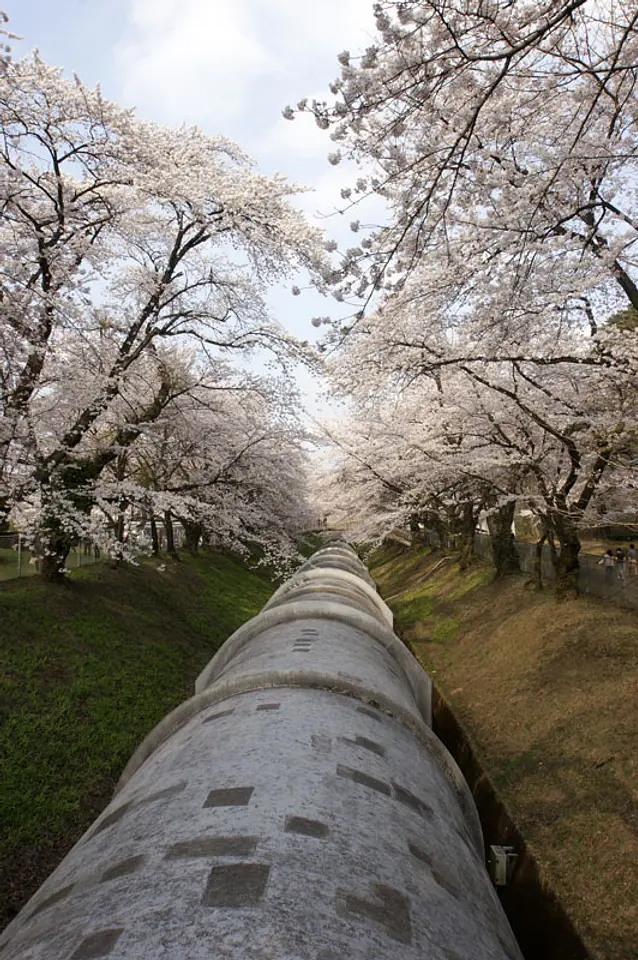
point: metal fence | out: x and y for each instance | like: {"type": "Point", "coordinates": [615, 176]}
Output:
{"type": "Point", "coordinates": [619, 583]}
{"type": "Point", "coordinates": [17, 559]}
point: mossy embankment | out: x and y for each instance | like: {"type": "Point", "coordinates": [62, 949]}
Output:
{"type": "Point", "coordinates": [546, 694]}
{"type": "Point", "coordinates": [86, 670]}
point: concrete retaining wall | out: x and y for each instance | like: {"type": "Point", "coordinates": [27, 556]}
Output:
{"type": "Point", "coordinates": [298, 807]}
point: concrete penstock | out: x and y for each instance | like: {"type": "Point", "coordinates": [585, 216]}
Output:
{"type": "Point", "coordinates": [298, 807]}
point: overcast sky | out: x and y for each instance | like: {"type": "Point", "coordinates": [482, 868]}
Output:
{"type": "Point", "coordinates": [229, 66]}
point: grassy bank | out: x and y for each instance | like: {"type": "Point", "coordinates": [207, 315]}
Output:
{"type": "Point", "coordinates": [86, 671]}
{"type": "Point", "coordinates": [547, 694]}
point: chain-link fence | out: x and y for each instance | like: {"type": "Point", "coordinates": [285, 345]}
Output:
{"type": "Point", "coordinates": [17, 559]}
{"type": "Point", "coordinates": [618, 583]}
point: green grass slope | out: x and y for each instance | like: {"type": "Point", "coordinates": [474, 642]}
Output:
{"type": "Point", "coordinates": [546, 692]}
{"type": "Point", "coordinates": [86, 671]}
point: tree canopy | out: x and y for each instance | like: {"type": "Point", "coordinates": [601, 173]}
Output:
{"type": "Point", "coordinates": [479, 352]}
{"type": "Point", "coordinates": [134, 258]}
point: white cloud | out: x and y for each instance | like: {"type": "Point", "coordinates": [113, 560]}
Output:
{"type": "Point", "coordinates": [231, 66]}
{"type": "Point", "coordinates": [191, 59]}
{"type": "Point", "coordinates": [219, 60]}
{"type": "Point", "coordinates": [298, 139]}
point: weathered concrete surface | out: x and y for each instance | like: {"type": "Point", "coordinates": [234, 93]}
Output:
{"type": "Point", "coordinates": [339, 581]}
{"type": "Point", "coordinates": [333, 609]}
{"type": "Point", "coordinates": [299, 807]}
{"type": "Point", "coordinates": [338, 560]}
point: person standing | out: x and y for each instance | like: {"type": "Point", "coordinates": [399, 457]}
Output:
{"type": "Point", "coordinates": [609, 562]}
{"type": "Point", "coordinates": [620, 563]}
{"type": "Point", "coordinates": [632, 562]}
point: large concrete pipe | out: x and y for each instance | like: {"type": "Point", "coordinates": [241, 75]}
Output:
{"type": "Point", "coordinates": [298, 807]}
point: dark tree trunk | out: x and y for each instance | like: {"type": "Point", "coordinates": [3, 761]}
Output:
{"type": "Point", "coordinates": [414, 529]}
{"type": "Point", "coordinates": [155, 544]}
{"type": "Point", "coordinates": [57, 544]}
{"type": "Point", "coordinates": [504, 555]}
{"type": "Point", "coordinates": [170, 536]}
{"type": "Point", "coordinates": [467, 532]}
{"type": "Point", "coordinates": [566, 564]}
{"type": "Point", "coordinates": [56, 541]}
{"type": "Point", "coordinates": [193, 534]}
{"type": "Point", "coordinates": [441, 532]}
{"type": "Point", "coordinates": [120, 526]}
{"type": "Point", "coordinates": [52, 566]}
{"type": "Point", "coordinates": [119, 531]}
{"type": "Point", "coordinates": [418, 535]}
{"type": "Point", "coordinates": [4, 510]}
{"type": "Point", "coordinates": [537, 569]}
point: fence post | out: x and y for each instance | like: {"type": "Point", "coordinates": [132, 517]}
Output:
{"type": "Point", "coordinates": [19, 554]}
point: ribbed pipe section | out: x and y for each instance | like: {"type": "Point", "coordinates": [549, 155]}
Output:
{"type": "Point", "coordinates": [298, 807]}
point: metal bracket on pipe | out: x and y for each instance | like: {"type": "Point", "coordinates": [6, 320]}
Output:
{"type": "Point", "coordinates": [501, 862]}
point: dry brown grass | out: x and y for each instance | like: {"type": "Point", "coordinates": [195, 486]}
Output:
{"type": "Point", "coordinates": [547, 692]}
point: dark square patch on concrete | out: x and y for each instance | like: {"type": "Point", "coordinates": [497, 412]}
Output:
{"type": "Point", "coordinates": [440, 874]}
{"type": "Point", "coordinates": [269, 706]}
{"type": "Point", "coordinates": [53, 898]}
{"type": "Point", "coordinates": [390, 910]}
{"type": "Point", "coordinates": [364, 779]}
{"type": "Point", "coordinates": [98, 944]}
{"type": "Point", "coordinates": [216, 716]}
{"type": "Point", "coordinates": [166, 792]}
{"type": "Point", "coordinates": [112, 818]}
{"type": "Point", "coordinates": [229, 797]}
{"type": "Point", "coordinates": [321, 743]}
{"type": "Point", "coordinates": [213, 847]}
{"type": "Point", "coordinates": [405, 796]}
{"type": "Point", "coordinates": [307, 828]}
{"type": "Point", "coordinates": [370, 745]}
{"type": "Point", "coordinates": [236, 885]}
{"type": "Point", "coordinates": [370, 713]}
{"type": "Point", "coordinates": [123, 868]}
{"type": "Point", "coordinates": [419, 854]}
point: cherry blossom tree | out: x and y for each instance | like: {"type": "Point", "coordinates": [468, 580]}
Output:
{"type": "Point", "coordinates": [502, 137]}
{"type": "Point", "coordinates": [461, 439]}
{"type": "Point", "coordinates": [513, 124]}
{"type": "Point", "coordinates": [119, 238]}
{"type": "Point", "coordinates": [5, 36]}
{"type": "Point", "coordinates": [218, 460]}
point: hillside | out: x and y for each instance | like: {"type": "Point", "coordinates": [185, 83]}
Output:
{"type": "Point", "coordinates": [547, 695]}
{"type": "Point", "coordinates": [86, 671]}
